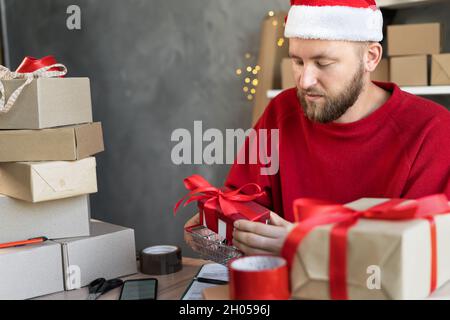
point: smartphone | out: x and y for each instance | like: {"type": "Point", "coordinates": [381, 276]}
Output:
{"type": "Point", "coordinates": [140, 289]}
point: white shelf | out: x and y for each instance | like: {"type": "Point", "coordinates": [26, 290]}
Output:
{"type": "Point", "coordinates": [420, 91]}
{"type": "Point", "coordinates": [395, 4]}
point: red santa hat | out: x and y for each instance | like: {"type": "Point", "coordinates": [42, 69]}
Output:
{"type": "Point", "coordinates": [351, 20]}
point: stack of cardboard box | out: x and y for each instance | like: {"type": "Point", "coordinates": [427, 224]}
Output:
{"type": "Point", "coordinates": [415, 54]}
{"type": "Point", "coordinates": [47, 171]}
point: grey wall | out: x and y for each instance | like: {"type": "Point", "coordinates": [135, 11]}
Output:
{"type": "Point", "coordinates": [155, 65]}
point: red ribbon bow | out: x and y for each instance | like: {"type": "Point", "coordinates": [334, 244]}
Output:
{"type": "Point", "coordinates": [312, 213]}
{"type": "Point", "coordinates": [31, 64]}
{"type": "Point", "coordinates": [228, 201]}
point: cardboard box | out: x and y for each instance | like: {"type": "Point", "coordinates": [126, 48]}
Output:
{"type": "Point", "coordinates": [30, 271]}
{"type": "Point", "coordinates": [287, 74]}
{"type": "Point", "coordinates": [409, 70]}
{"type": "Point", "coordinates": [48, 102]}
{"type": "Point", "coordinates": [414, 39]}
{"type": "Point", "coordinates": [55, 219]}
{"type": "Point", "coordinates": [381, 73]}
{"type": "Point", "coordinates": [400, 249]}
{"type": "Point", "coordinates": [440, 69]}
{"type": "Point", "coordinates": [273, 47]}
{"type": "Point", "coordinates": [63, 143]}
{"type": "Point", "coordinates": [41, 181]}
{"type": "Point", "coordinates": [108, 253]}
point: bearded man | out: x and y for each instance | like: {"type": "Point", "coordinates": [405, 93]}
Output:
{"type": "Point", "coordinates": [342, 136]}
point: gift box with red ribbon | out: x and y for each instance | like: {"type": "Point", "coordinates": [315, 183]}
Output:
{"type": "Point", "coordinates": [38, 95]}
{"type": "Point", "coordinates": [369, 249]}
{"type": "Point", "coordinates": [220, 207]}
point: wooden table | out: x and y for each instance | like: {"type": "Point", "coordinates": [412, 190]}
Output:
{"type": "Point", "coordinates": [170, 286]}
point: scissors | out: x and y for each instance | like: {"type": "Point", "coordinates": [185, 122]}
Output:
{"type": "Point", "coordinates": [100, 286]}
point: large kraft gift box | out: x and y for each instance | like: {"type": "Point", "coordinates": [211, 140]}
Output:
{"type": "Point", "coordinates": [63, 143]}
{"type": "Point", "coordinates": [409, 265]}
{"type": "Point", "coordinates": [55, 219]}
{"type": "Point", "coordinates": [109, 252]}
{"type": "Point", "coordinates": [30, 271]}
{"type": "Point", "coordinates": [48, 102]}
{"type": "Point", "coordinates": [41, 181]}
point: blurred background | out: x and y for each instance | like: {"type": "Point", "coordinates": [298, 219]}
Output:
{"type": "Point", "coordinates": [156, 66]}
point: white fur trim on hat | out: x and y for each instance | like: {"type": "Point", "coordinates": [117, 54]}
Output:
{"type": "Point", "coordinates": [334, 23]}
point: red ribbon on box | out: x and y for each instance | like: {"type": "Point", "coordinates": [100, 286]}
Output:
{"type": "Point", "coordinates": [31, 64]}
{"type": "Point", "coordinates": [231, 205]}
{"type": "Point", "coordinates": [312, 213]}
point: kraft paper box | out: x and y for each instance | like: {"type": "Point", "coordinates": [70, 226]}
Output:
{"type": "Point", "coordinates": [108, 253]}
{"type": "Point", "coordinates": [414, 39]}
{"type": "Point", "coordinates": [41, 181]}
{"type": "Point", "coordinates": [401, 249]}
{"type": "Point", "coordinates": [55, 219]}
{"type": "Point", "coordinates": [287, 74]}
{"type": "Point", "coordinates": [31, 271]}
{"type": "Point", "coordinates": [409, 70]}
{"type": "Point", "coordinates": [381, 73]}
{"type": "Point", "coordinates": [63, 143]}
{"type": "Point", "coordinates": [50, 102]}
{"type": "Point", "coordinates": [440, 69]}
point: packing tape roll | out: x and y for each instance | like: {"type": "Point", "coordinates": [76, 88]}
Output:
{"type": "Point", "coordinates": [158, 260]}
{"type": "Point", "coordinates": [259, 278]}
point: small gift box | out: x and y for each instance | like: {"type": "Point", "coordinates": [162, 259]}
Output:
{"type": "Point", "coordinates": [369, 249]}
{"type": "Point", "coordinates": [220, 207]}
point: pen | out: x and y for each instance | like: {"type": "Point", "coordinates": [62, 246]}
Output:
{"type": "Point", "coordinates": [22, 242]}
{"type": "Point", "coordinates": [212, 281]}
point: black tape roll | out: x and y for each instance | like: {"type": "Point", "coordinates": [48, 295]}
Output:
{"type": "Point", "coordinates": [157, 260]}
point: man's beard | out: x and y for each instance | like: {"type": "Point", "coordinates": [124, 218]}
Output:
{"type": "Point", "coordinates": [334, 106]}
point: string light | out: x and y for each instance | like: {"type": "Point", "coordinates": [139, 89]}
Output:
{"type": "Point", "coordinates": [280, 42]}
{"type": "Point", "coordinates": [247, 80]}
{"type": "Point", "coordinates": [253, 91]}
{"type": "Point", "coordinates": [238, 71]}
{"type": "Point", "coordinates": [249, 69]}
{"type": "Point", "coordinates": [271, 13]}
{"type": "Point", "coordinates": [255, 82]}
{"type": "Point", "coordinates": [245, 89]}
{"type": "Point", "coordinates": [248, 55]}
{"type": "Point", "coordinates": [274, 23]}
{"type": "Point", "coordinates": [250, 97]}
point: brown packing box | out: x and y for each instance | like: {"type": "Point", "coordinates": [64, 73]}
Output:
{"type": "Point", "coordinates": [63, 143]}
{"type": "Point", "coordinates": [409, 70]}
{"type": "Point", "coordinates": [272, 49]}
{"type": "Point", "coordinates": [414, 39]}
{"type": "Point", "coordinates": [440, 69]}
{"type": "Point", "coordinates": [41, 181]}
{"type": "Point", "coordinates": [287, 74]}
{"type": "Point", "coordinates": [381, 73]}
{"type": "Point", "coordinates": [47, 103]}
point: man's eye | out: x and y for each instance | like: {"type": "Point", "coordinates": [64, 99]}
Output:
{"type": "Point", "coordinates": [299, 62]}
{"type": "Point", "coordinates": [322, 65]}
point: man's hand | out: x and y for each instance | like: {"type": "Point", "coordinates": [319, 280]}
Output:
{"type": "Point", "coordinates": [258, 238]}
{"type": "Point", "coordinates": [191, 222]}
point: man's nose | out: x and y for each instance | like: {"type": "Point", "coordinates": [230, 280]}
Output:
{"type": "Point", "coordinates": [308, 78]}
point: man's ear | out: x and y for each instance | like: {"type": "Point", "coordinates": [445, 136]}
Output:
{"type": "Point", "coordinates": [372, 56]}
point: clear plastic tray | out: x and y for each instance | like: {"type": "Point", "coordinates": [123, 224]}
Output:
{"type": "Point", "coordinates": [210, 245]}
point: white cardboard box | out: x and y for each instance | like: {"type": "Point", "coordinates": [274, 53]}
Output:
{"type": "Point", "coordinates": [109, 252]}
{"type": "Point", "coordinates": [20, 220]}
{"type": "Point", "coordinates": [30, 271]}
